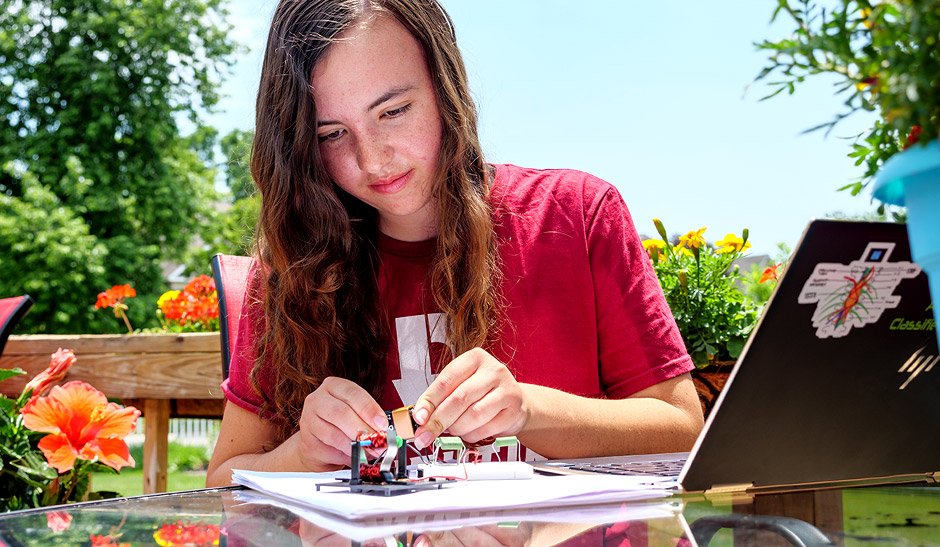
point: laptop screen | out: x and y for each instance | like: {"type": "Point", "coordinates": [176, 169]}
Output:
{"type": "Point", "coordinates": [840, 379]}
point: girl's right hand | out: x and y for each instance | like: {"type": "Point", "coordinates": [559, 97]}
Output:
{"type": "Point", "coordinates": [332, 417]}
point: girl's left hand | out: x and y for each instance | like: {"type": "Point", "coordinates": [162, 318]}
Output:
{"type": "Point", "coordinates": [474, 397]}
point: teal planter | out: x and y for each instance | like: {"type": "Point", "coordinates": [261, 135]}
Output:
{"type": "Point", "coordinates": [912, 178]}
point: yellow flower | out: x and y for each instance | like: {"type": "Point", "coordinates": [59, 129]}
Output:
{"type": "Point", "coordinates": [654, 248]}
{"type": "Point", "coordinates": [732, 243]}
{"type": "Point", "coordinates": [653, 244]}
{"type": "Point", "coordinates": [693, 239]}
{"type": "Point", "coordinates": [168, 295]}
{"type": "Point", "coordinates": [680, 250]}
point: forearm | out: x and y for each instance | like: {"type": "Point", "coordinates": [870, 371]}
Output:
{"type": "Point", "coordinates": [282, 458]}
{"type": "Point", "coordinates": [561, 425]}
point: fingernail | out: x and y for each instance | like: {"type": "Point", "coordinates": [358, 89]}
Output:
{"type": "Point", "coordinates": [380, 422]}
{"type": "Point", "coordinates": [423, 440]}
{"type": "Point", "coordinates": [421, 415]}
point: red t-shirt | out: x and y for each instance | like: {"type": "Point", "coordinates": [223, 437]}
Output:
{"type": "Point", "coordinates": [583, 312]}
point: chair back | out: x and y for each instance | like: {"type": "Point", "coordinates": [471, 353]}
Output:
{"type": "Point", "coordinates": [231, 281]}
{"type": "Point", "coordinates": [12, 311]}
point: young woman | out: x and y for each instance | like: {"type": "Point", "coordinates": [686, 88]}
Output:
{"type": "Point", "coordinates": [396, 267]}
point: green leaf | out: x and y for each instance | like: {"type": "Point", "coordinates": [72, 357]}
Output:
{"type": "Point", "coordinates": [735, 346]}
{"type": "Point", "coordinates": [6, 373]}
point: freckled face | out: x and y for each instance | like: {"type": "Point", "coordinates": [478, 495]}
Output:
{"type": "Point", "coordinates": [378, 125]}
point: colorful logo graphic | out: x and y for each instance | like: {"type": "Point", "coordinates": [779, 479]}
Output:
{"type": "Point", "coordinates": [855, 294]}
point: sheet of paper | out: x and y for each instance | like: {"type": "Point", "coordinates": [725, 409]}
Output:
{"type": "Point", "coordinates": [537, 492]}
{"type": "Point", "coordinates": [377, 527]}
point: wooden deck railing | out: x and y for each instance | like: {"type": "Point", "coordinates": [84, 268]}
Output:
{"type": "Point", "coordinates": [163, 375]}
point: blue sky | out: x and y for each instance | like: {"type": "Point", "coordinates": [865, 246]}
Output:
{"type": "Point", "coordinates": [649, 96]}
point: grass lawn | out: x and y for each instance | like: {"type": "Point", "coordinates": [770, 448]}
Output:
{"type": "Point", "coordinates": [131, 482]}
{"type": "Point", "coordinates": [186, 471]}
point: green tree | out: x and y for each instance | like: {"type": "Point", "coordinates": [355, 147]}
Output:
{"type": "Point", "coordinates": [236, 148]}
{"type": "Point", "coordinates": [94, 163]}
{"type": "Point", "coordinates": [233, 226]}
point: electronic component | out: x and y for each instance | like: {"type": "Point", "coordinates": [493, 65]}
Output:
{"type": "Point", "coordinates": [387, 473]}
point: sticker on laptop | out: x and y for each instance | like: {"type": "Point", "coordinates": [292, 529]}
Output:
{"type": "Point", "coordinates": [855, 294]}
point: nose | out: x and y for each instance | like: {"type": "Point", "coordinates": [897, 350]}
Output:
{"type": "Point", "coordinates": [373, 153]}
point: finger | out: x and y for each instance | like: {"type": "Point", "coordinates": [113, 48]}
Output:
{"type": "Point", "coordinates": [451, 376]}
{"type": "Point", "coordinates": [478, 413]}
{"type": "Point", "coordinates": [503, 425]}
{"type": "Point", "coordinates": [454, 406]}
{"type": "Point", "coordinates": [339, 424]}
{"type": "Point", "coordinates": [325, 441]}
{"type": "Point", "coordinates": [370, 415]}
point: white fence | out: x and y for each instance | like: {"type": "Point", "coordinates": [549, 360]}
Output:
{"type": "Point", "coordinates": [187, 431]}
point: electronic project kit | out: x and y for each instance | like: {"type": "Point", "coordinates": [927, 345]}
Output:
{"type": "Point", "coordinates": [387, 473]}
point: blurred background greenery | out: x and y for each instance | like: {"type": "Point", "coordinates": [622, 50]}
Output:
{"type": "Point", "coordinates": [108, 174]}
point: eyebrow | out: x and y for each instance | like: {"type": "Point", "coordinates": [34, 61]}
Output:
{"type": "Point", "coordinates": [390, 94]}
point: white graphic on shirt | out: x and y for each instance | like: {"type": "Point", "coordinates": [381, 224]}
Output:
{"type": "Point", "coordinates": [415, 335]}
{"type": "Point", "coordinates": [414, 353]}
{"type": "Point", "coordinates": [855, 294]}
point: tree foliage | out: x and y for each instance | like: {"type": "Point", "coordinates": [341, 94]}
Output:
{"type": "Point", "coordinates": [232, 228]}
{"type": "Point", "coordinates": [98, 183]}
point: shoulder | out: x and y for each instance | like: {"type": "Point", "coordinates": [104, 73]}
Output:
{"type": "Point", "coordinates": [521, 191]}
{"type": "Point", "coordinates": [520, 185]}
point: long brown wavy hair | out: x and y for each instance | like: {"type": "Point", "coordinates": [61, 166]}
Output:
{"type": "Point", "coordinates": [316, 244]}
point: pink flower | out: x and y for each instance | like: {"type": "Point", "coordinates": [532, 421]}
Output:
{"type": "Point", "coordinates": [58, 520]}
{"type": "Point", "coordinates": [61, 361]}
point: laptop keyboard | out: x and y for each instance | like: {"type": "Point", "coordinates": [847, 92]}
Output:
{"type": "Point", "coordinates": [662, 468]}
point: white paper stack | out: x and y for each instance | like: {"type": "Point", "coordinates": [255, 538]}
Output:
{"type": "Point", "coordinates": [383, 526]}
{"type": "Point", "coordinates": [535, 493]}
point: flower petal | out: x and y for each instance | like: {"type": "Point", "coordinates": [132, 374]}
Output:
{"type": "Point", "coordinates": [58, 452]}
{"type": "Point", "coordinates": [46, 415]}
{"type": "Point", "coordinates": [111, 452]}
{"type": "Point", "coordinates": [116, 421]}
{"type": "Point", "coordinates": [58, 521]}
{"type": "Point", "coordinates": [81, 398]}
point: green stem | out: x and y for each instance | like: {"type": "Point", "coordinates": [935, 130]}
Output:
{"type": "Point", "coordinates": [127, 322]}
{"type": "Point", "coordinates": [72, 480]}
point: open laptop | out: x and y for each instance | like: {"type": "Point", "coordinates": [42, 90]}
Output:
{"type": "Point", "coordinates": [839, 383]}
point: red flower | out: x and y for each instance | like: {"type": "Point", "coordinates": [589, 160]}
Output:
{"type": "Point", "coordinates": [913, 137]}
{"type": "Point", "coordinates": [114, 295]}
{"type": "Point", "coordinates": [200, 286]}
{"type": "Point", "coordinates": [180, 533]}
{"type": "Point", "coordinates": [58, 521]}
{"type": "Point", "coordinates": [770, 274]}
{"type": "Point", "coordinates": [105, 541]}
{"type": "Point", "coordinates": [59, 365]}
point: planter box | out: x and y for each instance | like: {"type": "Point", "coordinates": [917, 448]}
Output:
{"type": "Point", "coordinates": [162, 375]}
{"type": "Point", "coordinates": [148, 366]}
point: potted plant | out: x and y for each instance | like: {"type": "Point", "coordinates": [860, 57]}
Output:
{"type": "Point", "coordinates": [885, 57]}
{"type": "Point", "coordinates": [173, 369]}
{"type": "Point", "coordinates": [54, 437]}
{"type": "Point", "coordinates": [701, 284]}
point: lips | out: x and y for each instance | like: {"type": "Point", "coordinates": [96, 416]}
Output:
{"type": "Point", "coordinates": [391, 184]}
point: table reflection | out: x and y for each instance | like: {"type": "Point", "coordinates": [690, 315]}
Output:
{"type": "Point", "coordinates": [238, 517]}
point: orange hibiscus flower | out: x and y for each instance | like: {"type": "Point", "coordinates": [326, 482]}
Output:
{"type": "Point", "coordinates": [82, 424]}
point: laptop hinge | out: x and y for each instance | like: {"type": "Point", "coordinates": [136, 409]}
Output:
{"type": "Point", "coordinates": [730, 493]}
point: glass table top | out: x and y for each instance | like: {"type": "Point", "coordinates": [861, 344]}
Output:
{"type": "Point", "coordinates": [888, 515]}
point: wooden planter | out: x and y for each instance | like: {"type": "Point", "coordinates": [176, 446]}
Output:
{"type": "Point", "coordinates": [160, 374]}
{"type": "Point", "coordinates": [709, 381]}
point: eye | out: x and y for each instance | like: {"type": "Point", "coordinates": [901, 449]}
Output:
{"type": "Point", "coordinates": [394, 113]}
{"type": "Point", "coordinates": [331, 136]}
